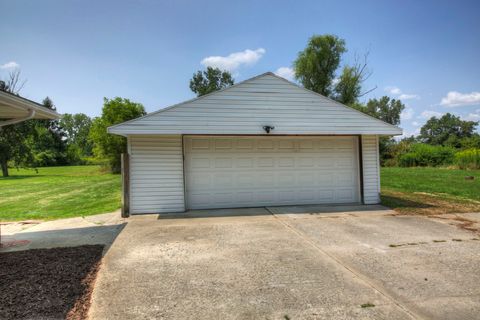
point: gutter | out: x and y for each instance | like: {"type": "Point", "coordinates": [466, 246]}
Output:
{"type": "Point", "coordinates": [30, 115]}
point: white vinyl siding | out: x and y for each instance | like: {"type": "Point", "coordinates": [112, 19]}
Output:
{"type": "Point", "coordinates": [156, 174]}
{"type": "Point", "coordinates": [371, 167]}
{"type": "Point", "coordinates": [247, 107]}
{"type": "Point", "coordinates": [227, 172]}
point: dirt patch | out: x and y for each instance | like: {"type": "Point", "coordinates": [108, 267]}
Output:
{"type": "Point", "coordinates": [48, 283]}
{"type": "Point", "coordinates": [426, 204]}
{"type": "Point", "coordinates": [459, 221]}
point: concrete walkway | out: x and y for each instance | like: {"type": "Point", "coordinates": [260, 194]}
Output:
{"type": "Point", "coordinates": [96, 229]}
{"type": "Point", "coordinates": [290, 263]}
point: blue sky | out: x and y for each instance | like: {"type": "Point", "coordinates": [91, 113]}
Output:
{"type": "Point", "coordinates": [77, 52]}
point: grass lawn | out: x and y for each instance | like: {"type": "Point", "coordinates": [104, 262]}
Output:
{"type": "Point", "coordinates": [63, 192]}
{"type": "Point", "coordinates": [58, 192]}
{"type": "Point", "coordinates": [430, 190]}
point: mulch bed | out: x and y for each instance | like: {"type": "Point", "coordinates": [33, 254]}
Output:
{"type": "Point", "coordinates": [48, 283]}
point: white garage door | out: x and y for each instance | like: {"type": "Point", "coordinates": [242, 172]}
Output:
{"type": "Point", "coordinates": [228, 172]}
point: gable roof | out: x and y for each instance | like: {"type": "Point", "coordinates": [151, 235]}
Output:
{"type": "Point", "coordinates": [247, 106]}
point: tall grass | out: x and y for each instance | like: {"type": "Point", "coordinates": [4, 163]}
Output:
{"type": "Point", "coordinates": [468, 159]}
{"type": "Point", "coordinates": [423, 155]}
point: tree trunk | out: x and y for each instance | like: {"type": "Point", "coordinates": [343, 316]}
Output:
{"type": "Point", "coordinates": [3, 164]}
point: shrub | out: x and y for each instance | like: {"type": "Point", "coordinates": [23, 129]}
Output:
{"type": "Point", "coordinates": [423, 155]}
{"type": "Point", "coordinates": [468, 159]}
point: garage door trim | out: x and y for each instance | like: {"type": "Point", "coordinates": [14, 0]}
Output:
{"type": "Point", "coordinates": [354, 170]}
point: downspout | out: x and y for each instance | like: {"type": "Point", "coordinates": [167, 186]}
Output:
{"type": "Point", "coordinates": [30, 115]}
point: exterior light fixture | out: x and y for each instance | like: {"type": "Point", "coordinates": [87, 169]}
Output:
{"type": "Point", "coordinates": [268, 128]}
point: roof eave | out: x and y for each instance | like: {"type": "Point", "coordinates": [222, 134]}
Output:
{"type": "Point", "coordinates": [26, 104]}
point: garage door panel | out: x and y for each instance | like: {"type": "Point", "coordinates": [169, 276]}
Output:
{"type": "Point", "coordinates": [265, 162]}
{"type": "Point", "coordinates": [200, 163]}
{"type": "Point", "coordinates": [306, 162]}
{"type": "Point", "coordinates": [199, 181]}
{"type": "Point", "coordinates": [286, 196]}
{"type": "Point", "coordinates": [245, 180]}
{"type": "Point", "coordinates": [344, 194]}
{"type": "Point", "coordinates": [223, 163]}
{"type": "Point", "coordinates": [345, 162]}
{"type": "Point", "coordinates": [244, 197]}
{"type": "Point", "coordinates": [265, 180]}
{"type": "Point", "coordinates": [325, 161]}
{"type": "Point", "coordinates": [199, 200]}
{"type": "Point", "coordinates": [223, 144]}
{"type": "Point", "coordinates": [326, 196]}
{"type": "Point", "coordinates": [265, 144]}
{"type": "Point", "coordinates": [284, 144]}
{"type": "Point", "coordinates": [306, 194]}
{"type": "Point", "coordinates": [286, 162]}
{"type": "Point", "coordinates": [223, 180]}
{"type": "Point", "coordinates": [257, 171]}
{"type": "Point", "coordinates": [200, 144]}
{"type": "Point", "coordinates": [286, 179]}
{"type": "Point", "coordinates": [245, 144]}
{"type": "Point", "coordinates": [306, 179]}
{"type": "Point", "coordinates": [344, 179]}
{"type": "Point", "coordinates": [264, 197]}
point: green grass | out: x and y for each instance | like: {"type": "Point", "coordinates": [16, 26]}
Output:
{"type": "Point", "coordinates": [63, 192]}
{"type": "Point", "coordinates": [430, 190]}
{"type": "Point", "coordinates": [58, 192]}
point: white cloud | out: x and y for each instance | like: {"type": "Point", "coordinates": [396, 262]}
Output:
{"type": "Point", "coordinates": [456, 99]}
{"type": "Point", "coordinates": [285, 72]}
{"type": "Point", "coordinates": [427, 114]}
{"type": "Point", "coordinates": [399, 93]}
{"type": "Point", "coordinates": [415, 123]}
{"type": "Point", "coordinates": [9, 65]}
{"type": "Point", "coordinates": [234, 60]}
{"type": "Point", "coordinates": [408, 134]}
{"type": "Point", "coordinates": [405, 96]}
{"type": "Point", "coordinates": [407, 114]}
{"type": "Point", "coordinates": [393, 90]}
{"type": "Point", "coordinates": [473, 116]}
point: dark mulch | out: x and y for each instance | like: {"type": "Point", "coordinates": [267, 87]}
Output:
{"type": "Point", "coordinates": [48, 283]}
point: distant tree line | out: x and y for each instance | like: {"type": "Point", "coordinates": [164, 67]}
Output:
{"type": "Point", "coordinates": [74, 139]}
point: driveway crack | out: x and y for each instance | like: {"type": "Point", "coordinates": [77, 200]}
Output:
{"type": "Point", "coordinates": [346, 267]}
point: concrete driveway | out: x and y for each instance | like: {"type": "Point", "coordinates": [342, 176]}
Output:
{"type": "Point", "coordinates": [290, 263]}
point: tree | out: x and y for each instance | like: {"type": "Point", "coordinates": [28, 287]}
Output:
{"type": "Point", "coordinates": [315, 66]}
{"type": "Point", "coordinates": [447, 130]}
{"type": "Point", "coordinates": [77, 128]}
{"type": "Point", "coordinates": [12, 137]}
{"type": "Point", "coordinates": [108, 146]}
{"type": "Point", "coordinates": [13, 147]}
{"type": "Point", "coordinates": [385, 109]}
{"type": "Point", "coordinates": [46, 140]}
{"type": "Point", "coordinates": [13, 84]}
{"type": "Point", "coordinates": [349, 86]}
{"type": "Point", "coordinates": [212, 79]}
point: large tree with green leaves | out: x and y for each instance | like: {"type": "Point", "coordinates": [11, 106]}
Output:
{"type": "Point", "coordinates": [386, 109]}
{"type": "Point", "coordinates": [212, 79]}
{"type": "Point", "coordinates": [447, 130]}
{"type": "Point", "coordinates": [46, 140]}
{"type": "Point", "coordinates": [12, 137]}
{"type": "Point", "coordinates": [316, 65]}
{"type": "Point", "coordinates": [77, 128]}
{"type": "Point", "coordinates": [13, 147]}
{"type": "Point", "coordinates": [108, 146]}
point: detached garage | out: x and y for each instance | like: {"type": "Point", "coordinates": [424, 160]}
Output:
{"type": "Point", "coordinates": [262, 142]}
